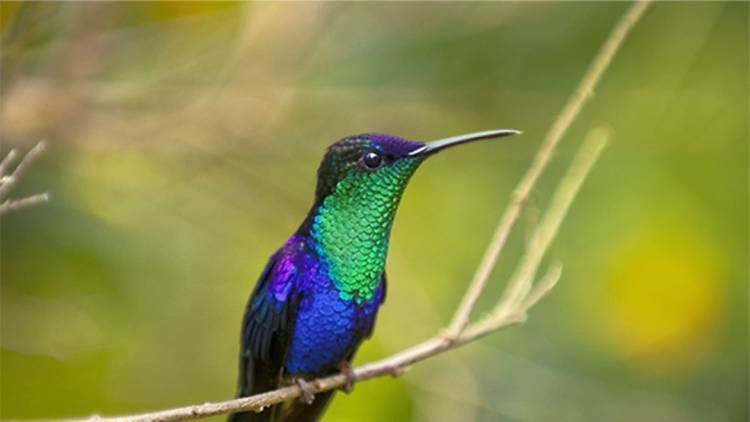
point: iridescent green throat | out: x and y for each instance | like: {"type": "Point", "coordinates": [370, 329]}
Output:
{"type": "Point", "coordinates": [353, 224]}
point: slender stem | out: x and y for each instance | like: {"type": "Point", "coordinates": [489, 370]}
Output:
{"type": "Point", "coordinates": [520, 294]}
{"type": "Point", "coordinates": [7, 161]}
{"type": "Point", "coordinates": [582, 93]}
{"type": "Point", "coordinates": [17, 204]}
{"type": "Point", "coordinates": [8, 181]}
{"type": "Point", "coordinates": [520, 283]}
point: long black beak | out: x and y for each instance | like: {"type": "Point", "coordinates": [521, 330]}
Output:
{"type": "Point", "coordinates": [435, 146]}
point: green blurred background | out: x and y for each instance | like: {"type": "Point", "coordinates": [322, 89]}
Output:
{"type": "Point", "coordinates": [184, 139]}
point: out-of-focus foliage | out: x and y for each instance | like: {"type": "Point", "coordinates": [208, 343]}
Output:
{"type": "Point", "coordinates": [184, 141]}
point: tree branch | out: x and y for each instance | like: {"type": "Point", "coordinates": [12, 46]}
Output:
{"type": "Point", "coordinates": [17, 204]}
{"type": "Point", "coordinates": [583, 93]}
{"type": "Point", "coordinates": [520, 294]}
{"type": "Point", "coordinates": [8, 181]}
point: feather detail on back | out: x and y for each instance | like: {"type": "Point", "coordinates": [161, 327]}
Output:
{"type": "Point", "coordinates": [265, 336]}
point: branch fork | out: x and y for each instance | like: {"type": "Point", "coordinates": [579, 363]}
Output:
{"type": "Point", "coordinates": [8, 181]}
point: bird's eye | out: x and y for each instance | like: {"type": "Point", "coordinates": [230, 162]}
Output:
{"type": "Point", "coordinates": [371, 160]}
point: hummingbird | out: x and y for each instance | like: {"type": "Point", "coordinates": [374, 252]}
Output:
{"type": "Point", "coordinates": [318, 296]}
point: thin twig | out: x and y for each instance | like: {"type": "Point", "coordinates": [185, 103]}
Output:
{"type": "Point", "coordinates": [521, 281]}
{"type": "Point", "coordinates": [543, 286]}
{"type": "Point", "coordinates": [17, 204]}
{"type": "Point", "coordinates": [582, 93]}
{"type": "Point", "coordinates": [8, 181]}
{"type": "Point", "coordinates": [7, 160]}
{"type": "Point", "coordinates": [520, 294]}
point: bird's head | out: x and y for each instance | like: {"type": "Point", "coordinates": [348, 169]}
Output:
{"type": "Point", "coordinates": [381, 163]}
{"type": "Point", "coordinates": [360, 183]}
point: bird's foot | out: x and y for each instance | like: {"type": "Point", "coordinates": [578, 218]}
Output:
{"type": "Point", "coordinates": [308, 393]}
{"type": "Point", "coordinates": [348, 371]}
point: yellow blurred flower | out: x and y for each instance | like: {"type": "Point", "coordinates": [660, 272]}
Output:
{"type": "Point", "coordinates": [662, 300]}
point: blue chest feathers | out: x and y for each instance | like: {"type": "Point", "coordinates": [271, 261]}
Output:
{"type": "Point", "coordinates": [328, 329]}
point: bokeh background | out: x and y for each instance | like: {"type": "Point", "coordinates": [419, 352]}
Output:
{"type": "Point", "coordinates": [184, 139]}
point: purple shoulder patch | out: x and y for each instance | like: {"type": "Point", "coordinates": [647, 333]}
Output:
{"type": "Point", "coordinates": [282, 274]}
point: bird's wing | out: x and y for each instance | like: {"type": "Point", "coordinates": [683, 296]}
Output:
{"type": "Point", "coordinates": [266, 327]}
